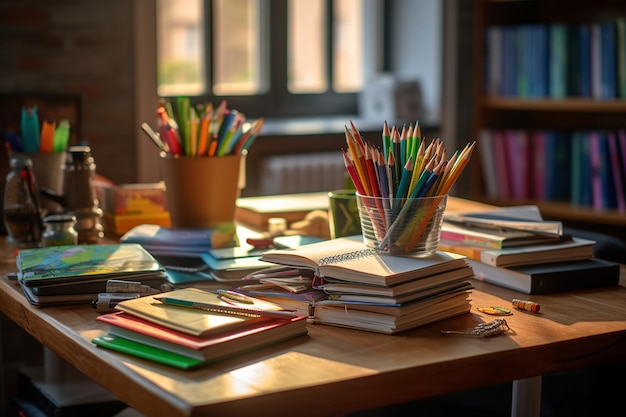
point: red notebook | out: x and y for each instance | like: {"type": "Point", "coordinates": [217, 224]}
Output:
{"type": "Point", "coordinates": [217, 346]}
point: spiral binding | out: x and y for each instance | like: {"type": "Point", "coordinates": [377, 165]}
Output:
{"type": "Point", "coordinates": [346, 257]}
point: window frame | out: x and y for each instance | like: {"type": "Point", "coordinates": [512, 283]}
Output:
{"type": "Point", "coordinates": [278, 102]}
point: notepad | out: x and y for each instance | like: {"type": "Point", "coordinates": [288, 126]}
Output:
{"type": "Point", "coordinates": [348, 259]}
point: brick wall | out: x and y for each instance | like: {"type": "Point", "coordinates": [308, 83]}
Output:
{"type": "Point", "coordinates": [82, 47]}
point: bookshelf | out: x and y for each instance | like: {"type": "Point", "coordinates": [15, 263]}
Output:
{"type": "Point", "coordinates": [531, 101]}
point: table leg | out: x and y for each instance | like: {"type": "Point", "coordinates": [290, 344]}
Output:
{"type": "Point", "coordinates": [526, 397]}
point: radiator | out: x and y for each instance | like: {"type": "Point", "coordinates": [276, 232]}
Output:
{"type": "Point", "coordinates": [285, 174]}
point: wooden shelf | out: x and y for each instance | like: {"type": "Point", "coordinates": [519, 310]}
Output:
{"type": "Point", "coordinates": [568, 114]}
{"type": "Point", "coordinates": [574, 105]}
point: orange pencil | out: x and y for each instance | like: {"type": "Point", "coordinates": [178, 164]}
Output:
{"type": "Point", "coordinates": [357, 158]}
{"type": "Point", "coordinates": [205, 126]}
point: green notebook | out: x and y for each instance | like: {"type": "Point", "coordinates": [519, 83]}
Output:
{"type": "Point", "coordinates": [146, 352]}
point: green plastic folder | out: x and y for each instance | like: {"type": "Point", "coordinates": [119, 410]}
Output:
{"type": "Point", "coordinates": [146, 352]}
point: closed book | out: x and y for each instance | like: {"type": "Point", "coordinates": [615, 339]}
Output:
{"type": "Point", "coordinates": [193, 321]}
{"type": "Point", "coordinates": [550, 277]}
{"type": "Point", "coordinates": [86, 264]}
{"type": "Point", "coordinates": [161, 240]}
{"type": "Point", "coordinates": [256, 211]}
{"type": "Point", "coordinates": [490, 237]}
{"type": "Point", "coordinates": [140, 350]}
{"type": "Point", "coordinates": [333, 286]}
{"type": "Point", "coordinates": [419, 313]}
{"type": "Point", "coordinates": [222, 345]}
{"type": "Point", "coordinates": [618, 170]}
{"type": "Point", "coordinates": [488, 163]}
{"type": "Point", "coordinates": [336, 298]}
{"type": "Point", "coordinates": [348, 259]}
{"type": "Point", "coordinates": [557, 78]}
{"type": "Point", "coordinates": [566, 250]}
{"type": "Point", "coordinates": [558, 166]}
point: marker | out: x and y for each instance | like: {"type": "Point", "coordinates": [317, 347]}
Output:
{"type": "Point", "coordinates": [106, 302]}
{"type": "Point", "coordinates": [526, 305]}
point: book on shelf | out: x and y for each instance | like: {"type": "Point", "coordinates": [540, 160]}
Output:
{"type": "Point", "coordinates": [256, 211]}
{"type": "Point", "coordinates": [193, 321]}
{"type": "Point", "coordinates": [254, 335]}
{"type": "Point", "coordinates": [566, 250]}
{"type": "Point", "coordinates": [348, 259]}
{"type": "Point", "coordinates": [77, 273]}
{"type": "Point", "coordinates": [550, 277]}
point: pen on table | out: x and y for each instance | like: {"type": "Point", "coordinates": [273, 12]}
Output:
{"type": "Point", "coordinates": [235, 296]}
{"type": "Point", "coordinates": [228, 309]}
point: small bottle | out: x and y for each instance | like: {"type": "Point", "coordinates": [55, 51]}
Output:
{"type": "Point", "coordinates": [21, 204]}
{"type": "Point", "coordinates": [60, 230]}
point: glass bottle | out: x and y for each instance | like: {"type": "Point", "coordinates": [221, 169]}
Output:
{"type": "Point", "coordinates": [59, 230]}
{"type": "Point", "coordinates": [21, 214]}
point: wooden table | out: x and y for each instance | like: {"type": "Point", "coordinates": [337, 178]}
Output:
{"type": "Point", "coordinates": [332, 371]}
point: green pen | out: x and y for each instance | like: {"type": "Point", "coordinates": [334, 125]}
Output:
{"type": "Point", "coordinates": [61, 136]}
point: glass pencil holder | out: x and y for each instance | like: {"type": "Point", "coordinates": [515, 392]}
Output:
{"type": "Point", "coordinates": [402, 226]}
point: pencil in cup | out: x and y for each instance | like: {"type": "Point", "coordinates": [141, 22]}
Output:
{"type": "Point", "coordinates": [412, 227]}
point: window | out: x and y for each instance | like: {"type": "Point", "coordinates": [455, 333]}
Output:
{"type": "Point", "coordinates": [270, 58]}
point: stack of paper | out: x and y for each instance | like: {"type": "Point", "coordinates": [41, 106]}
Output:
{"type": "Point", "coordinates": [186, 337]}
{"type": "Point", "coordinates": [378, 292]}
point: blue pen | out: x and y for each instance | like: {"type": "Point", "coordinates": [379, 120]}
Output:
{"type": "Point", "coordinates": [14, 141]}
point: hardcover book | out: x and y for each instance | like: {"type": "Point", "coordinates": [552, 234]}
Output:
{"type": "Point", "coordinates": [161, 240]}
{"type": "Point", "coordinates": [190, 320]}
{"type": "Point", "coordinates": [569, 250]}
{"type": "Point", "coordinates": [256, 211]}
{"type": "Point", "coordinates": [250, 336]}
{"type": "Point", "coordinates": [391, 320]}
{"type": "Point", "coordinates": [78, 264]}
{"type": "Point", "coordinates": [550, 277]}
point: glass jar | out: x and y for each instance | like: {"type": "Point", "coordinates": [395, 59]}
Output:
{"type": "Point", "coordinates": [59, 230]}
{"type": "Point", "coordinates": [21, 204]}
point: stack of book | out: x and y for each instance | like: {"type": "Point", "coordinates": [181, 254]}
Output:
{"type": "Point", "coordinates": [515, 248]}
{"type": "Point", "coordinates": [189, 327]}
{"type": "Point", "coordinates": [377, 292]}
{"type": "Point", "coordinates": [76, 274]}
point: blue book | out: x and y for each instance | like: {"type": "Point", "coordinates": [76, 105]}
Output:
{"type": "Point", "coordinates": [574, 65]}
{"type": "Point", "coordinates": [557, 171]}
{"type": "Point", "coordinates": [161, 240]}
{"type": "Point", "coordinates": [509, 61]}
{"type": "Point", "coordinates": [557, 65]}
{"type": "Point", "coordinates": [585, 61]}
{"type": "Point", "coordinates": [541, 60]}
{"type": "Point", "coordinates": [608, 57]}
